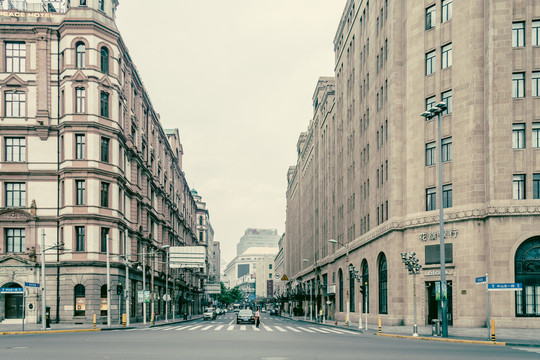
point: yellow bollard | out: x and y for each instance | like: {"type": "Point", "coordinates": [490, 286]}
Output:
{"type": "Point", "coordinates": [124, 320]}
{"type": "Point", "coordinates": [379, 324]}
{"type": "Point", "coordinates": [152, 319]}
{"type": "Point", "coordinates": [94, 321]}
{"type": "Point", "coordinates": [492, 330]}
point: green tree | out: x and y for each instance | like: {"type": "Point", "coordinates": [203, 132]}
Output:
{"type": "Point", "coordinates": [230, 296]}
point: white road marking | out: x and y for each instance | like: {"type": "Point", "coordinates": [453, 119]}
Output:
{"type": "Point", "coordinates": [195, 327]}
{"type": "Point", "coordinates": [319, 330]}
{"type": "Point", "coordinates": [231, 321]}
{"type": "Point", "coordinates": [243, 327]}
{"type": "Point", "coordinates": [346, 331]}
{"type": "Point", "coordinates": [335, 331]}
{"type": "Point", "coordinates": [255, 328]}
{"type": "Point", "coordinates": [293, 329]}
{"type": "Point", "coordinates": [182, 327]}
{"type": "Point", "coordinates": [219, 327]}
{"type": "Point", "coordinates": [305, 329]}
{"type": "Point", "coordinates": [267, 328]}
{"type": "Point", "coordinates": [207, 327]}
{"type": "Point", "coordinates": [230, 328]}
{"type": "Point", "coordinates": [280, 329]}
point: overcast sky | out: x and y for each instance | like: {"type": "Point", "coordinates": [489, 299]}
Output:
{"type": "Point", "coordinates": [236, 77]}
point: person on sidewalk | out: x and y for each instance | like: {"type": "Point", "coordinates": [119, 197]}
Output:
{"type": "Point", "coordinates": [257, 318]}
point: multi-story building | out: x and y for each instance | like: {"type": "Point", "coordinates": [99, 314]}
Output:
{"type": "Point", "coordinates": [366, 174]}
{"type": "Point", "coordinates": [257, 238]}
{"type": "Point", "coordinates": [216, 270]}
{"type": "Point", "coordinates": [87, 168]}
{"type": "Point", "coordinates": [264, 277]}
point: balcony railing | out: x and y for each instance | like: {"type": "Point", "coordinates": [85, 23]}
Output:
{"type": "Point", "coordinates": [54, 6]}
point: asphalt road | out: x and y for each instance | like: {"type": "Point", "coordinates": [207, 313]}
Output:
{"type": "Point", "coordinates": [276, 339]}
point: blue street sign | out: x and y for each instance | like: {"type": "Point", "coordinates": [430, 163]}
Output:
{"type": "Point", "coordinates": [35, 285]}
{"type": "Point", "coordinates": [481, 280]}
{"type": "Point", "coordinates": [505, 286]}
{"type": "Point", "coordinates": [11, 290]}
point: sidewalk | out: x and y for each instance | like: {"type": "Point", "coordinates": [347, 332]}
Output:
{"type": "Point", "coordinates": [516, 337]}
{"type": "Point", "coordinates": [17, 328]}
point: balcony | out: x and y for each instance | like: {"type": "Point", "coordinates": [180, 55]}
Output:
{"type": "Point", "coordinates": [51, 6]}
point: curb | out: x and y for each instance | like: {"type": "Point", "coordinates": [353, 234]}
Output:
{"type": "Point", "coordinates": [481, 342]}
{"type": "Point", "coordinates": [47, 331]}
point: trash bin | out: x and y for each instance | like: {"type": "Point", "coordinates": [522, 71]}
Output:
{"type": "Point", "coordinates": [48, 316]}
{"type": "Point", "coordinates": [436, 327]}
{"type": "Point", "coordinates": [185, 316]}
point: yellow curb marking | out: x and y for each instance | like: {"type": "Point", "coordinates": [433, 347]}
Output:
{"type": "Point", "coordinates": [498, 343]}
{"type": "Point", "coordinates": [46, 332]}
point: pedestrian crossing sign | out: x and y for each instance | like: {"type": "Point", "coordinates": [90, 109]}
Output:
{"type": "Point", "coordinates": [284, 278]}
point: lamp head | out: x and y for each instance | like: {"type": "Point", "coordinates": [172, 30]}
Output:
{"type": "Point", "coordinates": [441, 106]}
{"type": "Point", "coordinates": [426, 114]}
{"type": "Point", "coordinates": [332, 241]}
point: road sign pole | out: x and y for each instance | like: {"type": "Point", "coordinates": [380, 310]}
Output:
{"type": "Point", "coordinates": [43, 289]}
{"type": "Point", "coordinates": [487, 309]}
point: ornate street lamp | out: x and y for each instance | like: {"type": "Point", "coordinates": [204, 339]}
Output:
{"type": "Point", "coordinates": [412, 265]}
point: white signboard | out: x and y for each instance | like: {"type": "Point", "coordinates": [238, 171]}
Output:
{"type": "Point", "coordinates": [212, 288]}
{"type": "Point", "coordinates": [187, 256]}
{"type": "Point", "coordinates": [331, 289]}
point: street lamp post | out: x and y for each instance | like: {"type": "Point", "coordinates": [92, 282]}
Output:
{"type": "Point", "coordinates": [310, 298]}
{"type": "Point", "coordinates": [108, 282]}
{"type": "Point", "coordinates": [144, 283]}
{"type": "Point", "coordinates": [412, 265]}
{"type": "Point", "coordinates": [43, 289]}
{"type": "Point", "coordinates": [166, 248]}
{"type": "Point", "coordinates": [332, 241]}
{"type": "Point", "coordinates": [429, 114]}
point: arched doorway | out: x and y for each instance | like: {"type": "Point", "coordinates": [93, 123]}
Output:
{"type": "Point", "coordinates": [527, 266]}
{"type": "Point", "coordinates": [14, 303]}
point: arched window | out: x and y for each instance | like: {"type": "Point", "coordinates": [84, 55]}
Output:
{"type": "Point", "coordinates": [340, 276]}
{"type": "Point", "coordinates": [351, 292]}
{"type": "Point", "coordinates": [527, 263]}
{"type": "Point", "coordinates": [80, 300]}
{"type": "Point", "coordinates": [80, 50]}
{"type": "Point", "coordinates": [104, 60]}
{"type": "Point", "coordinates": [365, 283]}
{"type": "Point", "coordinates": [383, 285]}
{"type": "Point", "coordinates": [103, 303]}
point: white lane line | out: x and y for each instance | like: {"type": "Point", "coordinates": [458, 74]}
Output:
{"type": "Point", "coordinates": [219, 327]}
{"type": "Point", "coordinates": [231, 322]}
{"type": "Point", "coordinates": [335, 331]}
{"type": "Point", "coordinates": [243, 328]}
{"type": "Point", "coordinates": [345, 331]}
{"type": "Point", "coordinates": [280, 329]}
{"type": "Point", "coordinates": [230, 328]}
{"type": "Point", "coordinates": [177, 327]}
{"type": "Point", "coordinates": [132, 330]}
{"type": "Point", "coordinates": [306, 329]}
{"type": "Point", "coordinates": [319, 330]}
{"type": "Point", "coordinates": [207, 327]}
{"type": "Point", "coordinates": [195, 327]}
{"type": "Point", "coordinates": [182, 327]}
{"type": "Point", "coordinates": [255, 328]}
{"type": "Point", "coordinates": [293, 329]}
{"type": "Point", "coordinates": [267, 328]}
{"type": "Point", "coordinates": [168, 328]}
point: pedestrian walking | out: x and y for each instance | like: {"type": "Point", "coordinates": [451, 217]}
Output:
{"type": "Point", "coordinates": [257, 318]}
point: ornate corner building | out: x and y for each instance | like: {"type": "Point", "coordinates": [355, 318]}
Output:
{"type": "Point", "coordinates": [366, 175]}
{"type": "Point", "coordinates": [86, 167]}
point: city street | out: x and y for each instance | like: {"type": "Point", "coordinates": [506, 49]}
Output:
{"type": "Point", "coordinates": [277, 338]}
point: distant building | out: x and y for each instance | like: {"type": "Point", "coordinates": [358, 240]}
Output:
{"type": "Point", "coordinates": [257, 238]}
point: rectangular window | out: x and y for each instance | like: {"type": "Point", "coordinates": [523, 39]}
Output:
{"type": "Point", "coordinates": [15, 104]}
{"type": "Point", "coordinates": [430, 102]}
{"type": "Point", "coordinates": [446, 97]}
{"type": "Point", "coordinates": [80, 187]}
{"type": "Point", "coordinates": [446, 10]}
{"type": "Point", "coordinates": [15, 149]}
{"type": "Point", "coordinates": [518, 34]}
{"type": "Point", "coordinates": [104, 194]}
{"type": "Point", "coordinates": [101, 5]}
{"type": "Point", "coordinates": [15, 194]}
{"type": "Point", "coordinates": [446, 146]}
{"type": "Point", "coordinates": [15, 240]}
{"type": "Point", "coordinates": [104, 108]}
{"type": "Point", "coordinates": [536, 83]}
{"type": "Point", "coordinates": [536, 135]}
{"type": "Point", "coordinates": [446, 56]}
{"type": "Point", "coordinates": [80, 96]}
{"type": "Point", "coordinates": [104, 237]}
{"type": "Point", "coordinates": [431, 199]}
{"type": "Point", "coordinates": [536, 186]}
{"type": "Point", "coordinates": [105, 149]}
{"type": "Point", "coordinates": [430, 153]}
{"type": "Point", "coordinates": [518, 85]}
{"type": "Point", "coordinates": [430, 62]}
{"type": "Point", "coordinates": [15, 57]}
{"type": "Point", "coordinates": [536, 33]}
{"type": "Point", "coordinates": [430, 17]}
{"type": "Point", "coordinates": [447, 196]}
{"type": "Point", "coordinates": [80, 146]}
{"type": "Point", "coordinates": [79, 238]}
{"type": "Point", "coordinates": [518, 189]}
{"type": "Point", "coordinates": [518, 136]}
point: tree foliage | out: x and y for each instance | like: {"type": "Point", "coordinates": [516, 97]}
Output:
{"type": "Point", "coordinates": [229, 296]}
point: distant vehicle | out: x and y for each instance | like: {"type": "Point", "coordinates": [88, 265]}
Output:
{"type": "Point", "coordinates": [209, 314]}
{"type": "Point", "coordinates": [245, 316]}
{"type": "Point", "coordinates": [273, 312]}
{"type": "Point", "coordinates": [236, 308]}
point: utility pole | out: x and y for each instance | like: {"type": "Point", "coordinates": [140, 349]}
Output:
{"type": "Point", "coordinates": [108, 283]}
{"type": "Point", "coordinates": [144, 283]}
{"type": "Point", "coordinates": [43, 288]}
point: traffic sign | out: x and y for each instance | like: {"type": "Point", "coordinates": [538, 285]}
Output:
{"type": "Point", "coordinates": [284, 278]}
{"type": "Point", "coordinates": [481, 280]}
{"type": "Point", "coordinates": [11, 290]}
{"type": "Point", "coordinates": [505, 286]}
{"type": "Point", "coordinates": [28, 284]}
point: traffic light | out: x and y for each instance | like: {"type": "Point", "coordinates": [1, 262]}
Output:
{"type": "Point", "coordinates": [119, 289]}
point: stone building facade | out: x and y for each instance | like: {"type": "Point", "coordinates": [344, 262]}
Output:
{"type": "Point", "coordinates": [366, 174]}
{"type": "Point", "coordinates": [86, 164]}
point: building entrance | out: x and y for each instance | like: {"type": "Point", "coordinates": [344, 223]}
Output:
{"type": "Point", "coordinates": [433, 305]}
{"type": "Point", "coordinates": [14, 305]}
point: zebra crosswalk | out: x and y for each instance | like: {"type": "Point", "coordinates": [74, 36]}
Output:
{"type": "Point", "coordinates": [281, 328]}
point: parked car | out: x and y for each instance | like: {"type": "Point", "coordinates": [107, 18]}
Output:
{"type": "Point", "coordinates": [273, 312]}
{"type": "Point", "coordinates": [209, 314]}
{"type": "Point", "coordinates": [245, 316]}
